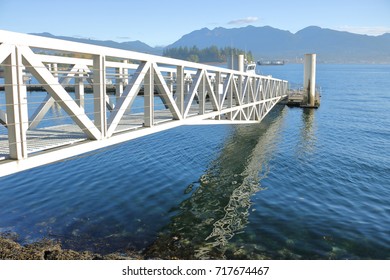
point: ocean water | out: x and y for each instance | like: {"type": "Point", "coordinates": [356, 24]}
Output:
{"type": "Point", "coordinates": [302, 184]}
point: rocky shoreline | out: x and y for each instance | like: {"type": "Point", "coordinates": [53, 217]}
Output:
{"type": "Point", "coordinates": [46, 249]}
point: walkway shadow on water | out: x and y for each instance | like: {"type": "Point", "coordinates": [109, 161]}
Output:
{"type": "Point", "coordinates": [220, 203]}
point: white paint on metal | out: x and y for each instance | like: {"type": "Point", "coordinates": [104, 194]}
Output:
{"type": "Point", "coordinates": [99, 94]}
{"type": "Point", "coordinates": [165, 93]}
{"type": "Point", "coordinates": [55, 89]}
{"type": "Point", "coordinates": [149, 98]}
{"type": "Point", "coordinates": [16, 105]}
{"type": "Point", "coordinates": [3, 118]}
{"type": "Point", "coordinates": [192, 93]}
{"type": "Point", "coordinates": [309, 81]}
{"type": "Point", "coordinates": [128, 97]}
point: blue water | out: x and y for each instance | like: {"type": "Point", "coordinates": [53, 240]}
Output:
{"type": "Point", "coordinates": [303, 184]}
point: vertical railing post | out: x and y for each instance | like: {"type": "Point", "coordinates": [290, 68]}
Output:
{"type": "Point", "coordinates": [281, 88]}
{"type": "Point", "coordinates": [125, 73]}
{"type": "Point", "coordinates": [253, 85]}
{"type": "Point", "coordinates": [246, 100]}
{"type": "Point", "coordinates": [118, 82]}
{"type": "Point", "coordinates": [170, 81]}
{"type": "Point", "coordinates": [268, 89]}
{"type": "Point", "coordinates": [122, 80]}
{"type": "Point", "coordinates": [275, 89]}
{"type": "Point", "coordinates": [286, 85]}
{"type": "Point", "coordinates": [149, 98]}
{"type": "Point", "coordinates": [258, 89]}
{"type": "Point", "coordinates": [180, 76]}
{"type": "Point", "coordinates": [218, 89]}
{"type": "Point", "coordinates": [230, 97]}
{"type": "Point", "coordinates": [16, 106]}
{"type": "Point", "coordinates": [202, 94]}
{"type": "Point", "coordinates": [247, 89]}
{"type": "Point", "coordinates": [79, 90]}
{"type": "Point", "coordinates": [265, 88]}
{"type": "Point", "coordinates": [99, 94]}
{"type": "Point", "coordinates": [240, 87]}
{"type": "Point", "coordinates": [54, 69]}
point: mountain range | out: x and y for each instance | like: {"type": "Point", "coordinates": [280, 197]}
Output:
{"type": "Point", "coordinates": [137, 46]}
{"type": "Point", "coordinates": [268, 43]}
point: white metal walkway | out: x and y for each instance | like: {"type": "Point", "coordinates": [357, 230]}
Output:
{"type": "Point", "coordinates": [152, 94]}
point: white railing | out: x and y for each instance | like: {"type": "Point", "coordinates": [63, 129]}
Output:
{"type": "Point", "coordinates": [76, 79]}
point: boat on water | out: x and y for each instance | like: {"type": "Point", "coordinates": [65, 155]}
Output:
{"type": "Point", "coordinates": [270, 62]}
{"type": "Point", "coordinates": [250, 67]}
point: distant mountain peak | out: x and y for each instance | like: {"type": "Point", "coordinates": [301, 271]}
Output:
{"type": "Point", "coordinates": [309, 29]}
{"type": "Point", "coordinates": [267, 42]}
{"type": "Point", "coordinates": [44, 34]}
{"type": "Point", "coordinates": [137, 46]}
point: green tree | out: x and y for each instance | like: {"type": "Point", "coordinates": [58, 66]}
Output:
{"type": "Point", "coordinates": [210, 54]}
{"type": "Point", "coordinates": [193, 58]}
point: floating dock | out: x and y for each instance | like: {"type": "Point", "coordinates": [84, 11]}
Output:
{"type": "Point", "coordinates": [309, 95]}
{"type": "Point", "coordinates": [296, 98]}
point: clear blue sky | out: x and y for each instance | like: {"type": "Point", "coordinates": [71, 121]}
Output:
{"type": "Point", "coordinates": [161, 22]}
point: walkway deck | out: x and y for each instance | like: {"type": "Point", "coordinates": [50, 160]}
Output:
{"type": "Point", "coordinates": [47, 138]}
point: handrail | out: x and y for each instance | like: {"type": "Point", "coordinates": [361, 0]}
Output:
{"type": "Point", "coordinates": [190, 92]}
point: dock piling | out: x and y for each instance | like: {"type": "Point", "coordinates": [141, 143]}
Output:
{"type": "Point", "coordinates": [309, 80]}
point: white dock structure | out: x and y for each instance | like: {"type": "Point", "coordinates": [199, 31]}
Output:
{"type": "Point", "coordinates": [152, 93]}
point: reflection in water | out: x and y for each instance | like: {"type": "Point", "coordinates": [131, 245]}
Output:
{"type": "Point", "coordinates": [219, 205]}
{"type": "Point", "coordinates": [308, 133]}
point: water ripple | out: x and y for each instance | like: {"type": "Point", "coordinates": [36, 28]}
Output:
{"type": "Point", "coordinates": [300, 185]}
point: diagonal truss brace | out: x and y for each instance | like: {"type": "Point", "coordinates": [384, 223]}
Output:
{"type": "Point", "coordinates": [189, 97]}
{"type": "Point", "coordinates": [49, 101]}
{"type": "Point", "coordinates": [211, 93]}
{"type": "Point", "coordinates": [127, 98]}
{"type": "Point", "coordinates": [166, 94]}
{"type": "Point", "coordinates": [55, 89]}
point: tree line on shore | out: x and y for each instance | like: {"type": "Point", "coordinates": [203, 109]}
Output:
{"type": "Point", "coordinates": [209, 54]}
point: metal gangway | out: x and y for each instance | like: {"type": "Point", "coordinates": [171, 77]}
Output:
{"type": "Point", "coordinates": [59, 99]}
